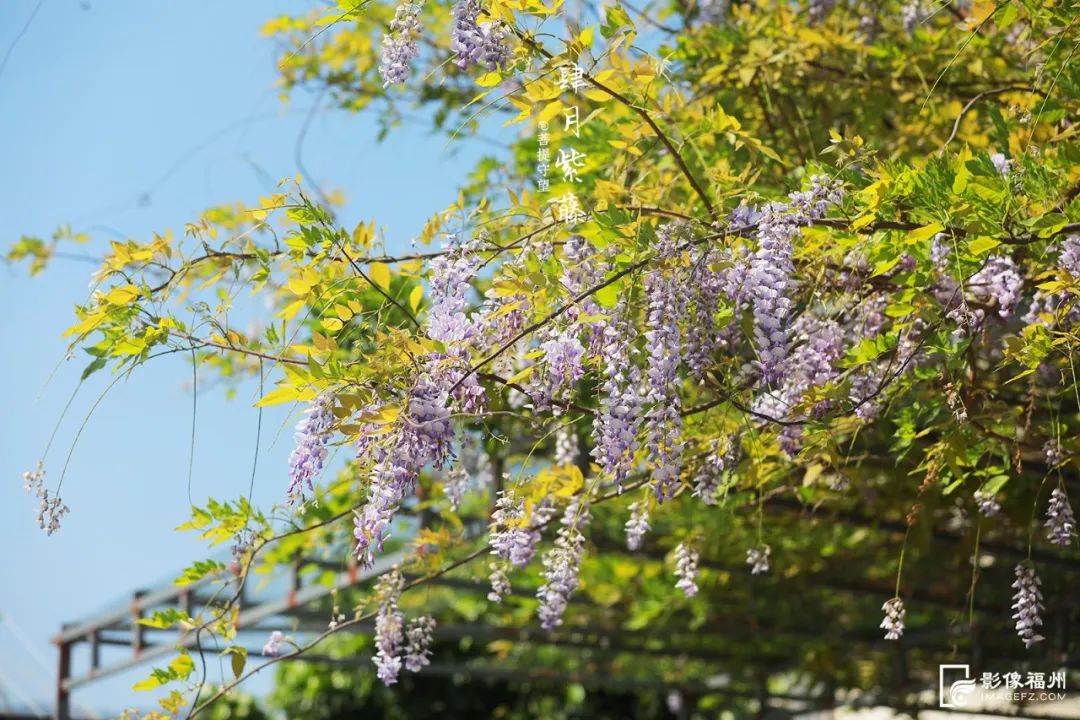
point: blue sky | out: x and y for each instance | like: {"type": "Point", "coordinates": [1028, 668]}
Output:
{"type": "Point", "coordinates": [123, 118]}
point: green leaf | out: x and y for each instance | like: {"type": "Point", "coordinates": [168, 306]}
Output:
{"type": "Point", "coordinates": [93, 367]}
{"type": "Point", "coordinates": [607, 296]}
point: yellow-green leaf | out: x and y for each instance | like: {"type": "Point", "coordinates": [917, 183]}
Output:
{"type": "Point", "coordinates": [924, 233]}
{"type": "Point", "coordinates": [983, 244]}
{"type": "Point", "coordinates": [380, 274]}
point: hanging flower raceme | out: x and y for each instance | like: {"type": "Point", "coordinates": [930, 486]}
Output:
{"type": "Point", "coordinates": [711, 469]}
{"type": "Point", "coordinates": [474, 42]}
{"type": "Point", "coordinates": [309, 456]}
{"type": "Point", "coordinates": [50, 509]}
{"type": "Point", "coordinates": [715, 274]}
{"type": "Point", "coordinates": [423, 434]}
{"type": "Point", "coordinates": [1070, 255]}
{"type": "Point", "coordinates": [1053, 453]}
{"type": "Point", "coordinates": [581, 272]}
{"type": "Point", "coordinates": [566, 446]}
{"type": "Point", "coordinates": [1027, 603]}
{"type": "Point", "coordinates": [564, 366]}
{"type": "Point", "coordinates": [663, 342]}
{"type": "Point", "coordinates": [758, 559]}
{"type": "Point", "coordinates": [637, 525]}
{"type": "Point", "coordinates": [418, 638]}
{"type": "Point", "coordinates": [562, 565]}
{"type": "Point", "coordinates": [389, 627]}
{"type": "Point", "coordinates": [686, 569]}
{"type": "Point", "coordinates": [998, 281]}
{"type": "Point", "coordinates": [500, 583]}
{"type": "Point", "coordinates": [456, 485]}
{"type": "Point", "coordinates": [513, 537]}
{"type": "Point", "coordinates": [893, 624]}
{"type": "Point", "coordinates": [615, 430]}
{"type": "Point", "coordinates": [770, 280]}
{"type": "Point", "coordinates": [1060, 522]}
{"type": "Point", "coordinates": [770, 285]}
{"type": "Point", "coordinates": [399, 46]}
{"type": "Point", "coordinates": [451, 277]}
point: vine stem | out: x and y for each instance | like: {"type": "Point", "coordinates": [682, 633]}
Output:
{"type": "Point", "coordinates": [900, 565]}
{"type": "Point", "coordinates": [974, 574]}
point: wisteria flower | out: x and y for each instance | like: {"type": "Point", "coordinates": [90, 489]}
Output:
{"type": "Point", "coordinates": [272, 648]}
{"type": "Point", "coordinates": [1027, 604]}
{"type": "Point", "coordinates": [893, 624]}
{"type": "Point", "coordinates": [1060, 521]}
{"type": "Point", "coordinates": [686, 569]}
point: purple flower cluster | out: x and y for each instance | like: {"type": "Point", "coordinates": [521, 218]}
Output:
{"type": "Point", "coordinates": [1000, 282]}
{"type": "Point", "coordinates": [566, 446]}
{"type": "Point", "coordinates": [511, 535]}
{"type": "Point", "coordinates": [893, 624]}
{"type": "Point", "coordinates": [474, 42]}
{"type": "Point", "coordinates": [1070, 255]}
{"type": "Point", "coordinates": [580, 273]}
{"type": "Point", "coordinates": [811, 204]}
{"type": "Point", "coordinates": [770, 284]}
{"type": "Point", "coordinates": [615, 430]}
{"type": "Point", "coordinates": [451, 277]}
{"type": "Point", "coordinates": [456, 485]}
{"type": "Point", "coordinates": [500, 583]}
{"type": "Point", "coordinates": [709, 282]}
{"type": "Point", "coordinates": [418, 638]}
{"type": "Point", "coordinates": [562, 347]}
{"type": "Point", "coordinates": [1053, 453]}
{"type": "Point", "coordinates": [564, 358]}
{"type": "Point", "coordinates": [1060, 521]}
{"type": "Point", "coordinates": [562, 565]}
{"type": "Point", "coordinates": [663, 343]}
{"type": "Point", "coordinates": [399, 45]}
{"type": "Point", "coordinates": [50, 509]}
{"type": "Point", "coordinates": [711, 470]}
{"type": "Point", "coordinates": [389, 627]}
{"type": "Point", "coordinates": [1002, 164]}
{"type": "Point", "coordinates": [272, 648]}
{"type": "Point", "coordinates": [637, 525]}
{"type": "Point", "coordinates": [912, 14]}
{"type": "Point", "coordinates": [1027, 604]}
{"type": "Point", "coordinates": [820, 344]}
{"type": "Point", "coordinates": [395, 643]}
{"type": "Point", "coordinates": [308, 457]}
{"type": "Point", "coordinates": [686, 569]}
{"type": "Point", "coordinates": [770, 280]}
{"type": "Point", "coordinates": [423, 434]}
